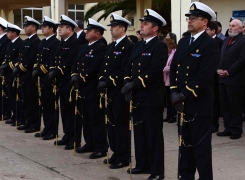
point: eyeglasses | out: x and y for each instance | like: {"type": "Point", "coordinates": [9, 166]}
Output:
{"type": "Point", "coordinates": [193, 19]}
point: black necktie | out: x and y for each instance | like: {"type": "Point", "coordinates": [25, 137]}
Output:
{"type": "Point", "coordinates": [192, 40]}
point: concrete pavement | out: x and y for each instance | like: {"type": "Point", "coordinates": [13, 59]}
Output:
{"type": "Point", "coordinates": [24, 157]}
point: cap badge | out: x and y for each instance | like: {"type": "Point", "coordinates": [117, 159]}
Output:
{"type": "Point", "coordinates": [25, 19]}
{"type": "Point", "coordinates": [146, 13]}
{"type": "Point", "coordinates": [43, 19]}
{"type": "Point", "coordinates": [61, 18]}
{"type": "Point", "coordinates": [87, 23]}
{"type": "Point", "coordinates": [111, 19]}
{"type": "Point", "coordinates": [123, 47]}
{"type": "Point", "coordinates": [192, 8]}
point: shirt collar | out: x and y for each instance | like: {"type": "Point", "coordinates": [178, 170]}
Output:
{"type": "Point", "coordinates": [119, 40]}
{"type": "Point", "coordinates": [15, 39]}
{"type": "Point", "coordinates": [197, 35]}
{"type": "Point", "coordinates": [2, 35]}
{"type": "Point", "coordinates": [67, 38]}
{"type": "Point", "coordinates": [92, 43]}
{"type": "Point", "coordinates": [47, 38]}
{"type": "Point", "coordinates": [78, 33]}
{"type": "Point", "coordinates": [148, 40]}
{"type": "Point", "coordinates": [31, 36]}
{"type": "Point", "coordinates": [214, 36]}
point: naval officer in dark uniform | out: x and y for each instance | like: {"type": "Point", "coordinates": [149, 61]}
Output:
{"type": "Point", "coordinates": [80, 32]}
{"type": "Point", "coordinates": [45, 54]}
{"type": "Point", "coordinates": [191, 83]}
{"type": "Point", "coordinates": [26, 58]}
{"type": "Point", "coordinates": [4, 41]}
{"type": "Point", "coordinates": [85, 72]}
{"type": "Point", "coordinates": [11, 58]}
{"type": "Point", "coordinates": [143, 75]}
{"type": "Point", "coordinates": [111, 77]}
{"type": "Point", "coordinates": [60, 73]}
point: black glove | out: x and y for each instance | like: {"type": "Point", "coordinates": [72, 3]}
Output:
{"type": "Point", "coordinates": [179, 107]}
{"type": "Point", "coordinates": [51, 76]}
{"type": "Point", "coordinates": [2, 72]}
{"type": "Point", "coordinates": [101, 86]}
{"type": "Point", "coordinates": [127, 87]}
{"type": "Point", "coordinates": [35, 73]}
{"type": "Point", "coordinates": [4, 66]}
{"type": "Point", "coordinates": [15, 71]}
{"type": "Point", "coordinates": [128, 96]}
{"type": "Point", "coordinates": [73, 79]}
{"type": "Point", "coordinates": [75, 85]}
{"type": "Point", "coordinates": [177, 98]}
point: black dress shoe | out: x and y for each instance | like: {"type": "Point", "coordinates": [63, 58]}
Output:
{"type": "Point", "coordinates": [31, 130]}
{"type": "Point", "coordinates": [18, 124]}
{"type": "Point", "coordinates": [138, 171]}
{"type": "Point", "coordinates": [224, 133]}
{"type": "Point", "coordinates": [235, 136]}
{"type": "Point", "coordinates": [60, 142]}
{"type": "Point", "coordinates": [117, 165]}
{"type": "Point", "coordinates": [166, 119]}
{"type": "Point", "coordinates": [83, 149]}
{"type": "Point", "coordinates": [70, 146]}
{"type": "Point", "coordinates": [6, 118]}
{"type": "Point", "coordinates": [38, 134]}
{"type": "Point", "coordinates": [215, 129]}
{"type": "Point", "coordinates": [109, 161]}
{"type": "Point", "coordinates": [48, 137]}
{"type": "Point", "coordinates": [9, 121]}
{"type": "Point", "coordinates": [155, 177]}
{"type": "Point", "coordinates": [96, 155]}
{"type": "Point", "coordinates": [172, 120]}
{"type": "Point", "coordinates": [22, 127]}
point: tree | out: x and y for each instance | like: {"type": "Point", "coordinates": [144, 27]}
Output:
{"type": "Point", "coordinates": [163, 7]}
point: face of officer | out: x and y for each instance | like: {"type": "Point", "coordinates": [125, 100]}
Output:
{"type": "Point", "coordinates": [47, 31]}
{"type": "Point", "coordinates": [235, 28]}
{"type": "Point", "coordinates": [11, 35]}
{"type": "Point", "coordinates": [92, 35]}
{"type": "Point", "coordinates": [65, 31]}
{"type": "Point", "coordinates": [30, 29]}
{"type": "Point", "coordinates": [117, 31]}
{"type": "Point", "coordinates": [148, 30]}
{"type": "Point", "coordinates": [196, 24]}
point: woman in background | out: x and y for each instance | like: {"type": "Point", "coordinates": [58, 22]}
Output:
{"type": "Point", "coordinates": [172, 36]}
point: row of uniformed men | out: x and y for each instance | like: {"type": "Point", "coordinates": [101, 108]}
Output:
{"type": "Point", "coordinates": [61, 68]}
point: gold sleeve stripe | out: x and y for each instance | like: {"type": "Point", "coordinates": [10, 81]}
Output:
{"type": "Point", "coordinates": [61, 70]}
{"type": "Point", "coordinates": [73, 74]}
{"type": "Point", "coordinates": [113, 80]}
{"type": "Point", "coordinates": [142, 81]}
{"type": "Point", "coordinates": [173, 87]}
{"type": "Point", "coordinates": [82, 77]}
{"type": "Point", "coordinates": [127, 77]}
{"type": "Point", "coordinates": [192, 90]}
{"type": "Point", "coordinates": [22, 68]}
{"type": "Point", "coordinates": [44, 70]}
{"type": "Point", "coordinates": [35, 65]}
{"type": "Point", "coordinates": [51, 67]}
{"type": "Point", "coordinates": [11, 65]}
{"type": "Point", "coordinates": [101, 77]}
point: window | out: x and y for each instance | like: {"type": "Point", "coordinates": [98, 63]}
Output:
{"type": "Point", "coordinates": [76, 11]}
{"type": "Point", "coordinates": [19, 14]}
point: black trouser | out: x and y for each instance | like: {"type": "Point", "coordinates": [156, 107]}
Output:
{"type": "Point", "coordinates": [29, 96]}
{"type": "Point", "coordinates": [118, 129]}
{"type": "Point", "coordinates": [216, 102]}
{"type": "Point", "coordinates": [5, 106]}
{"type": "Point", "coordinates": [50, 115]}
{"type": "Point", "coordinates": [231, 99]}
{"type": "Point", "coordinates": [148, 138]}
{"type": "Point", "coordinates": [171, 111]}
{"type": "Point", "coordinates": [15, 105]}
{"type": "Point", "coordinates": [198, 134]}
{"type": "Point", "coordinates": [68, 118]}
{"type": "Point", "coordinates": [94, 130]}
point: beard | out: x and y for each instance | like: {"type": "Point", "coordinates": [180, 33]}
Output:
{"type": "Point", "coordinates": [233, 34]}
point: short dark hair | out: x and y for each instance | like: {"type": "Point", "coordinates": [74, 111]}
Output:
{"type": "Point", "coordinates": [213, 26]}
{"type": "Point", "coordinates": [218, 24]}
{"type": "Point", "coordinates": [173, 37]}
{"type": "Point", "coordinates": [133, 38]}
{"type": "Point", "coordinates": [187, 33]}
{"type": "Point", "coordinates": [80, 24]}
{"type": "Point", "coordinates": [126, 27]}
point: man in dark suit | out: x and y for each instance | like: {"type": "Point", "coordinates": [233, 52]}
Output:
{"type": "Point", "coordinates": [26, 60]}
{"type": "Point", "coordinates": [191, 84]}
{"type": "Point", "coordinates": [85, 72]}
{"type": "Point", "coordinates": [232, 74]}
{"type": "Point", "coordinates": [45, 54]}
{"type": "Point", "coordinates": [4, 41]}
{"type": "Point", "coordinates": [11, 58]}
{"type": "Point", "coordinates": [80, 32]}
{"type": "Point", "coordinates": [60, 74]}
{"type": "Point", "coordinates": [111, 77]}
{"type": "Point", "coordinates": [212, 31]}
{"type": "Point", "coordinates": [143, 75]}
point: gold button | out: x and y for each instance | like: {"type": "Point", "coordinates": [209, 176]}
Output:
{"type": "Point", "coordinates": [104, 70]}
{"type": "Point", "coordinates": [138, 70]}
{"type": "Point", "coordinates": [178, 65]}
{"type": "Point", "coordinates": [185, 82]}
{"type": "Point", "coordinates": [77, 62]}
{"type": "Point", "coordinates": [55, 56]}
{"type": "Point", "coordinates": [188, 67]}
{"type": "Point", "coordinates": [82, 69]}
{"type": "Point", "coordinates": [177, 72]}
{"type": "Point", "coordinates": [38, 54]}
{"type": "Point", "coordinates": [116, 76]}
{"type": "Point", "coordinates": [197, 86]}
{"type": "Point", "coordinates": [108, 57]}
{"type": "Point", "coordinates": [176, 79]}
{"type": "Point", "coordinates": [41, 55]}
{"type": "Point", "coordinates": [139, 64]}
{"type": "Point", "coordinates": [115, 57]}
{"type": "Point", "coordinates": [186, 74]}
{"type": "Point", "coordinates": [55, 61]}
{"type": "Point", "coordinates": [132, 64]}
{"type": "Point", "coordinates": [146, 76]}
{"type": "Point", "coordinates": [106, 64]}
{"type": "Point", "coordinates": [59, 56]}
{"type": "Point", "coordinates": [64, 67]}
{"type": "Point", "coordinates": [83, 64]}
{"type": "Point", "coordinates": [86, 75]}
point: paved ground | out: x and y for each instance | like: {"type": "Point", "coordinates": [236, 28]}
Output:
{"type": "Point", "coordinates": [23, 157]}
